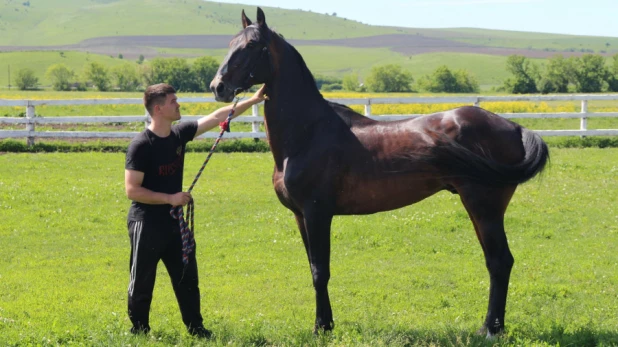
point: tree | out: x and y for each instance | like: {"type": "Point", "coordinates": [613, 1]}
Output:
{"type": "Point", "coordinates": [140, 59]}
{"type": "Point", "coordinates": [389, 78]}
{"type": "Point", "coordinates": [613, 79]}
{"type": "Point", "coordinates": [60, 76]}
{"type": "Point", "coordinates": [98, 74]}
{"type": "Point", "coordinates": [524, 73]}
{"type": "Point", "coordinates": [559, 73]}
{"type": "Point", "coordinates": [350, 82]}
{"type": "Point", "coordinates": [126, 77]}
{"type": "Point", "coordinates": [444, 81]}
{"type": "Point", "coordinates": [591, 73]}
{"type": "Point", "coordinates": [26, 80]}
{"type": "Point", "coordinates": [466, 83]}
{"type": "Point", "coordinates": [173, 71]}
{"type": "Point", "coordinates": [204, 70]}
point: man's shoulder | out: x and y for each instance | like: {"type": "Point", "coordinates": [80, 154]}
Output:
{"type": "Point", "coordinates": [140, 140]}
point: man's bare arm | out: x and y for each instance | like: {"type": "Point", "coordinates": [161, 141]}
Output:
{"type": "Point", "coordinates": [212, 120]}
{"type": "Point", "coordinates": [134, 190]}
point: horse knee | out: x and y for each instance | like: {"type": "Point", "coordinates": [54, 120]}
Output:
{"type": "Point", "coordinates": [320, 277]}
{"type": "Point", "coordinates": [502, 264]}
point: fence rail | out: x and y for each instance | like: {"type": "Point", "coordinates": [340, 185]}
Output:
{"type": "Point", "coordinates": [30, 121]}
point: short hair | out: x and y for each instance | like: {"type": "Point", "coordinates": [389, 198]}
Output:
{"type": "Point", "coordinates": [156, 94]}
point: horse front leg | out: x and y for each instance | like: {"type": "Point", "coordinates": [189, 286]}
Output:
{"type": "Point", "coordinates": [317, 222]}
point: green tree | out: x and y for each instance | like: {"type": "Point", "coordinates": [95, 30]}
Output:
{"type": "Point", "coordinates": [444, 81]}
{"type": "Point", "coordinates": [173, 71]}
{"type": "Point", "coordinates": [98, 74]}
{"type": "Point", "coordinates": [60, 76]}
{"type": "Point", "coordinates": [26, 79]}
{"type": "Point", "coordinates": [524, 77]}
{"type": "Point", "coordinates": [204, 70]}
{"type": "Point", "coordinates": [389, 78]}
{"type": "Point", "coordinates": [126, 77]}
{"type": "Point", "coordinates": [466, 83]}
{"type": "Point", "coordinates": [350, 82]}
{"type": "Point", "coordinates": [613, 78]}
{"type": "Point", "coordinates": [559, 73]}
{"type": "Point", "coordinates": [591, 73]}
{"type": "Point", "coordinates": [140, 59]}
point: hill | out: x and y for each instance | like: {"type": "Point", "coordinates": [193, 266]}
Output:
{"type": "Point", "coordinates": [79, 24]}
{"type": "Point", "coordinates": [33, 32]}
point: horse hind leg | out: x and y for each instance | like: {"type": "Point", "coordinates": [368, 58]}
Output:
{"type": "Point", "coordinates": [486, 207]}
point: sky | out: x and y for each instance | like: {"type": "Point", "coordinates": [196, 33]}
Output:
{"type": "Point", "coordinates": [576, 17]}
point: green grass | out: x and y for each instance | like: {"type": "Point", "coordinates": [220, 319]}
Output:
{"type": "Point", "coordinates": [538, 41]}
{"type": "Point", "coordinates": [322, 60]}
{"type": "Point", "coordinates": [70, 21]}
{"type": "Point", "coordinates": [417, 279]}
{"type": "Point", "coordinates": [40, 61]}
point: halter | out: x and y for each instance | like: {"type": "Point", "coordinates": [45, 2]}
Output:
{"type": "Point", "coordinates": [187, 232]}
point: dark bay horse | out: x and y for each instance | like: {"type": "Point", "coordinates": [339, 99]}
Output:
{"type": "Point", "coordinates": [330, 160]}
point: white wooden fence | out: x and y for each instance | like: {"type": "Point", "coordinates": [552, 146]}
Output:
{"type": "Point", "coordinates": [30, 121]}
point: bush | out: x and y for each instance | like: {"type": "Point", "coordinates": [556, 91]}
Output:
{"type": "Point", "coordinates": [60, 76]}
{"type": "Point", "coordinates": [98, 74]}
{"type": "Point", "coordinates": [322, 80]}
{"type": "Point", "coordinates": [350, 82]}
{"type": "Point", "coordinates": [204, 69]}
{"type": "Point", "coordinates": [26, 80]}
{"type": "Point", "coordinates": [525, 74]}
{"type": "Point", "coordinates": [389, 78]}
{"type": "Point", "coordinates": [126, 77]}
{"type": "Point", "coordinates": [444, 81]}
{"type": "Point", "coordinates": [331, 87]}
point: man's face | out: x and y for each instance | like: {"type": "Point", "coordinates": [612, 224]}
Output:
{"type": "Point", "coordinates": [171, 109]}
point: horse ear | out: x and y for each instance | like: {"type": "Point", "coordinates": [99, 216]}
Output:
{"type": "Point", "coordinates": [261, 18]}
{"type": "Point", "coordinates": [245, 21]}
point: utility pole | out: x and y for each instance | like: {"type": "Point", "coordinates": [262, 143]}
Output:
{"type": "Point", "coordinates": [9, 77]}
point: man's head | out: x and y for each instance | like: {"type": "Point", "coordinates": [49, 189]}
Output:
{"type": "Point", "coordinates": [161, 102]}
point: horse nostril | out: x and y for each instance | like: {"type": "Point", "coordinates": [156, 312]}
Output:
{"type": "Point", "coordinates": [220, 88]}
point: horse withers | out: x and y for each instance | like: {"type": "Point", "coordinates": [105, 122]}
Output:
{"type": "Point", "coordinates": [330, 160]}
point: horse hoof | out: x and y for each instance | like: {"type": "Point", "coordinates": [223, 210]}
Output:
{"type": "Point", "coordinates": [489, 335]}
{"type": "Point", "coordinates": [323, 328]}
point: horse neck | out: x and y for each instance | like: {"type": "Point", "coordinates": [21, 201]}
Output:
{"type": "Point", "coordinates": [294, 102]}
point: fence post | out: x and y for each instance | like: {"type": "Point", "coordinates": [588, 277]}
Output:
{"type": "Point", "coordinates": [368, 108]}
{"type": "Point", "coordinates": [583, 123]}
{"type": "Point", "coordinates": [147, 120]}
{"type": "Point", "coordinates": [30, 125]}
{"type": "Point", "coordinates": [477, 103]}
{"type": "Point", "coordinates": [255, 126]}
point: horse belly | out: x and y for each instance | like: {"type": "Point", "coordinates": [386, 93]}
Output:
{"type": "Point", "coordinates": [365, 195]}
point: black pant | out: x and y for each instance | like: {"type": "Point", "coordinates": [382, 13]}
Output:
{"type": "Point", "coordinates": [152, 241]}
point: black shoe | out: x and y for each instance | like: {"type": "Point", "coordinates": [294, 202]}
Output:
{"type": "Point", "coordinates": [200, 332]}
{"type": "Point", "coordinates": [140, 330]}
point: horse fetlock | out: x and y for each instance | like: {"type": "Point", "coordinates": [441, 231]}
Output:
{"type": "Point", "coordinates": [321, 327]}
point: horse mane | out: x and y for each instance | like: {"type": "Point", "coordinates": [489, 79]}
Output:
{"type": "Point", "coordinates": [348, 115]}
{"type": "Point", "coordinates": [306, 74]}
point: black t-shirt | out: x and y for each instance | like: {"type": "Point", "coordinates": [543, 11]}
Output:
{"type": "Point", "coordinates": [161, 159]}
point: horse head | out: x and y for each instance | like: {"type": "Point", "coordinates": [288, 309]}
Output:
{"type": "Point", "coordinates": [247, 62]}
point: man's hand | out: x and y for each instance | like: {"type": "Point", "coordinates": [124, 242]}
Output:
{"type": "Point", "coordinates": [259, 95]}
{"type": "Point", "coordinates": [180, 199]}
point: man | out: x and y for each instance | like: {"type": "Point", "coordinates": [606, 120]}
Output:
{"type": "Point", "coordinates": [153, 181]}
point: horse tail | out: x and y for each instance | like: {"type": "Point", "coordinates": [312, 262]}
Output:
{"type": "Point", "coordinates": [455, 160]}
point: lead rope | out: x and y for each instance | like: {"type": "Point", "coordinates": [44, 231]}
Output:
{"type": "Point", "coordinates": [186, 231]}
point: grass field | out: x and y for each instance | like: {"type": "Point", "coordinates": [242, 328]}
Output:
{"type": "Point", "coordinates": [39, 62]}
{"type": "Point", "coordinates": [413, 276]}
{"type": "Point", "coordinates": [489, 70]}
